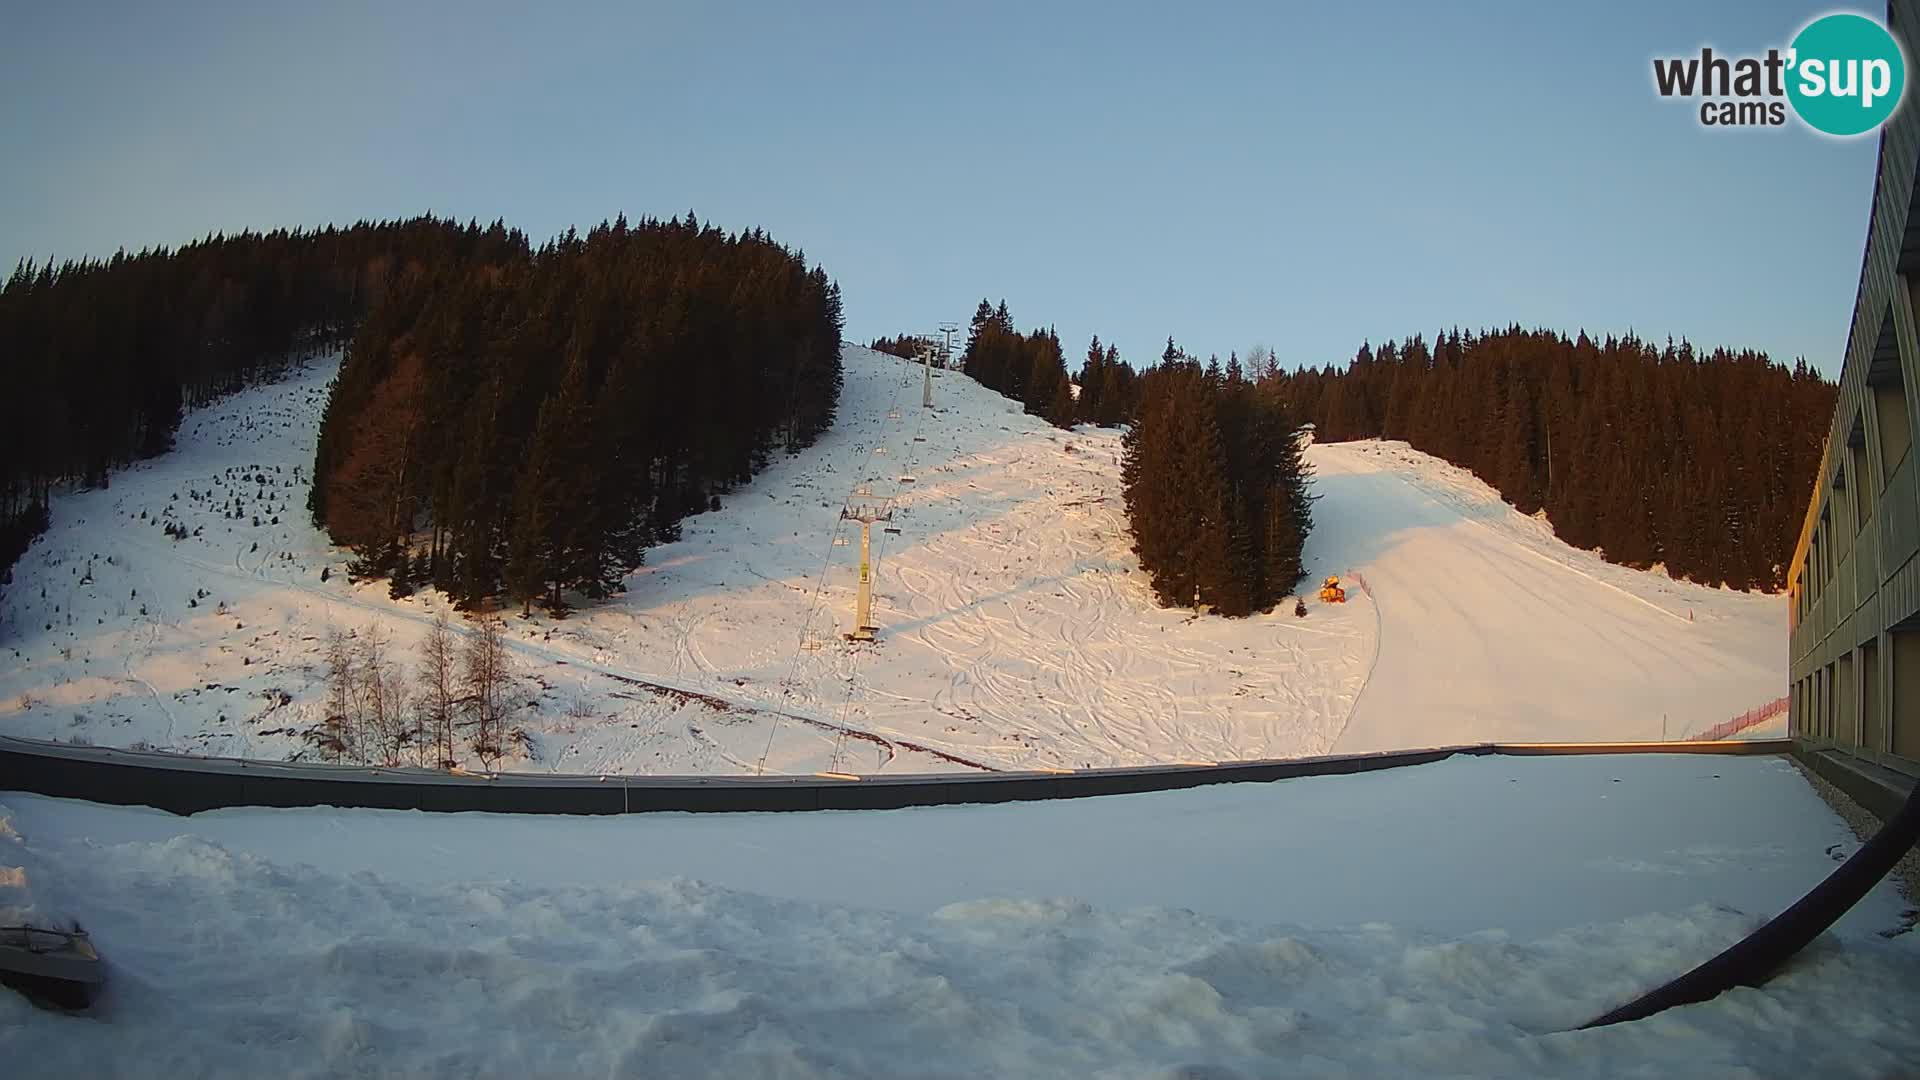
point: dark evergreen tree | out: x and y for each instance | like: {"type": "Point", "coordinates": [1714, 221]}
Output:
{"type": "Point", "coordinates": [1215, 490]}
{"type": "Point", "coordinates": [1700, 461]}
{"type": "Point", "coordinates": [1093, 382]}
{"type": "Point", "coordinates": [561, 410]}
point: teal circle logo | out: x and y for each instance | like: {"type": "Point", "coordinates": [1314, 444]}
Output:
{"type": "Point", "coordinates": [1845, 74]}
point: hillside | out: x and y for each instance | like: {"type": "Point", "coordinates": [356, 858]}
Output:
{"type": "Point", "coordinates": [1017, 629]}
{"type": "Point", "coordinates": [1700, 460]}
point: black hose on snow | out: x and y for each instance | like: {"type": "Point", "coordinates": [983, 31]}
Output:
{"type": "Point", "coordinates": [1763, 953]}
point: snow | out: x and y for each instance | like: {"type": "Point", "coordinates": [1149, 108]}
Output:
{"type": "Point", "coordinates": [1017, 628]}
{"type": "Point", "coordinates": [1452, 919]}
{"type": "Point", "coordinates": [1493, 630]}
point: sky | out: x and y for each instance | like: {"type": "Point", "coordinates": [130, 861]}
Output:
{"type": "Point", "coordinates": [1301, 176]}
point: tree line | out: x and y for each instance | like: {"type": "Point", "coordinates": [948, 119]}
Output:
{"type": "Point", "coordinates": [1030, 368]}
{"type": "Point", "coordinates": [1215, 487]}
{"type": "Point", "coordinates": [101, 357]}
{"type": "Point", "coordinates": [529, 425]}
{"type": "Point", "coordinates": [1109, 387]}
{"type": "Point", "coordinates": [904, 346]}
{"type": "Point", "coordinates": [1700, 461]}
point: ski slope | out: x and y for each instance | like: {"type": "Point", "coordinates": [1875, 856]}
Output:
{"type": "Point", "coordinates": [1017, 628]}
{"type": "Point", "coordinates": [1492, 630]}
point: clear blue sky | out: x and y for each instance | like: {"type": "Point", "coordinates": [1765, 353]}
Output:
{"type": "Point", "coordinates": [1302, 176]}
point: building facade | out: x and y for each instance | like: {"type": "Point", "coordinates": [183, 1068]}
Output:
{"type": "Point", "coordinates": [1854, 586]}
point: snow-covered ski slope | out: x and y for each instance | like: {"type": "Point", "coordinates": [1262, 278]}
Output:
{"type": "Point", "coordinates": [1017, 628]}
{"type": "Point", "coordinates": [1493, 630]}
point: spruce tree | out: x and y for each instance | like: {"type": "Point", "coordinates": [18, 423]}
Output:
{"type": "Point", "coordinates": [1093, 378]}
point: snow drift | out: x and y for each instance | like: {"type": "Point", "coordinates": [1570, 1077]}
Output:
{"type": "Point", "coordinates": [1454, 919]}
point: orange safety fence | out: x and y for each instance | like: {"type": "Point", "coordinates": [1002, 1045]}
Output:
{"type": "Point", "coordinates": [1754, 717]}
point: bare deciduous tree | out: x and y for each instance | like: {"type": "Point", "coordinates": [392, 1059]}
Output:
{"type": "Point", "coordinates": [383, 694]}
{"type": "Point", "coordinates": [485, 668]}
{"type": "Point", "coordinates": [439, 689]}
{"type": "Point", "coordinates": [342, 698]}
{"type": "Point", "coordinates": [1261, 364]}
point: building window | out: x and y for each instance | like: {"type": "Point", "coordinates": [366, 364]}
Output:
{"type": "Point", "coordinates": [1865, 486]}
{"type": "Point", "coordinates": [1889, 386]}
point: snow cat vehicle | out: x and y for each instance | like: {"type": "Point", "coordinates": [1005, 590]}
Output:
{"type": "Point", "coordinates": [56, 969]}
{"type": "Point", "coordinates": [1332, 593]}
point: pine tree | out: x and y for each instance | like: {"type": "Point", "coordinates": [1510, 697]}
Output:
{"type": "Point", "coordinates": [1207, 502]}
{"type": "Point", "coordinates": [400, 584]}
{"type": "Point", "coordinates": [1062, 413]}
{"type": "Point", "coordinates": [1284, 539]}
{"type": "Point", "coordinates": [1119, 396]}
{"type": "Point", "coordinates": [1093, 379]}
{"type": "Point", "coordinates": [530, 556]}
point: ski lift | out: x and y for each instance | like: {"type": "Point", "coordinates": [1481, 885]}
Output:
{"type": "Point", "coordinates": [863, 489]}
{"type": "Point", "coordinates": [839, 541]}
{"type": "Point", "coordinates": [907, 479]}
{"type": "Point", "coordinates": [893, 530]}
{"type": "Point", "coordinates": [879, 449]}
{"type": "Point", "coordinates": [893, 414]}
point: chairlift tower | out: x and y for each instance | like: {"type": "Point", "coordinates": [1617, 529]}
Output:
{"type": "Point", "coordinates": [927, 351]}
{"type": "Point", "coordinates": [947, 330]}
{"type": "Point", "coordinates": [866, 514]}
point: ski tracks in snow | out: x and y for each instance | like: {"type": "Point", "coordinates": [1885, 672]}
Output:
{"type": "Point", "coordinates": [1017, 629]}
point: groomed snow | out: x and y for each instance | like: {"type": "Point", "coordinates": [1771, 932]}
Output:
{"type": "Point", "coordinates": [1018, 631]}
{"type": "Point", "coordinates": [1453, 919]}
{"type": "Point", "coordinates": [1493, 630]}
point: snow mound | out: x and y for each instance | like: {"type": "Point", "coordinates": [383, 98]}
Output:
{"type": "Point", "coordinates": [1455, 919]}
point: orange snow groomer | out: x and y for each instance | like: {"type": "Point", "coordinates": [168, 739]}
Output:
{"type": "Point", "coordinates": [1332, 593]}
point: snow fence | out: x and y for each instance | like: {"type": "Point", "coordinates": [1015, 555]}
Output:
{"type": "Point", "coordinates": [1727, 729]}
